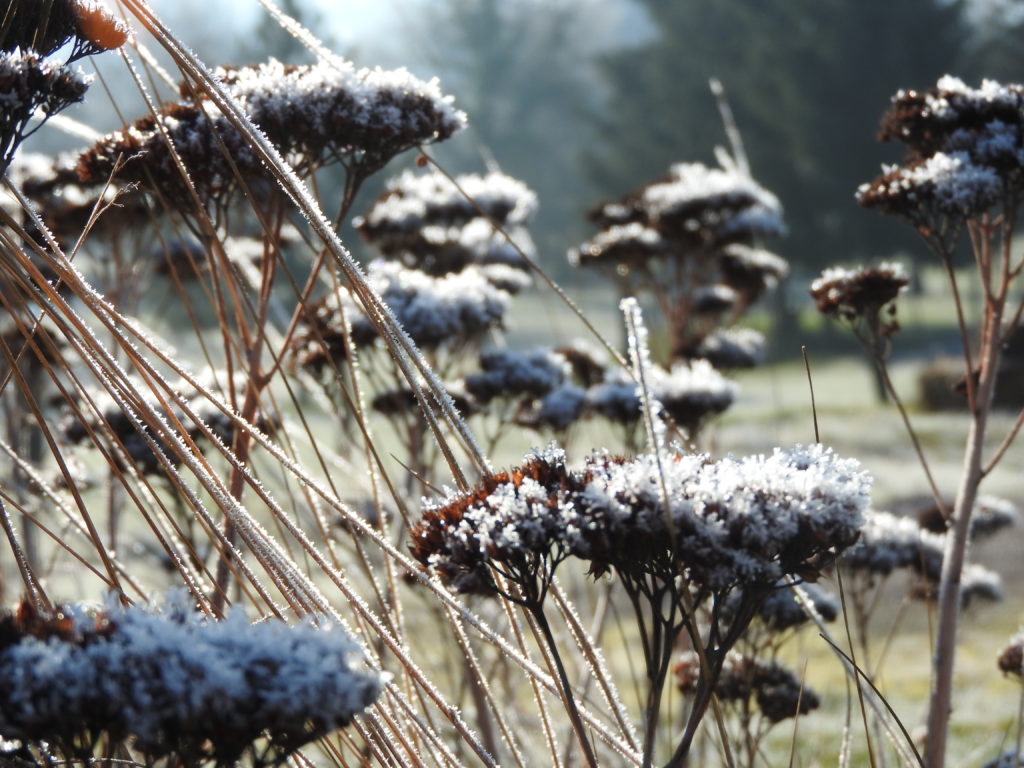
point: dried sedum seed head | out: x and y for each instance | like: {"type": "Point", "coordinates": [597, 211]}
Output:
{"type": "Point", "coordinates": [175, 682]}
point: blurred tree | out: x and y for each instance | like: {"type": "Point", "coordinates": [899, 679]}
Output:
{"type": "Point", "coordinates": [524, 72]}
{"type": "Point", "coordinates": [996, 33]}
{"type": "Point", "coordinates": [808, 81]}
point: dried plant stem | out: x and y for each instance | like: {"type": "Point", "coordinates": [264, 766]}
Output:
{"type": "Point", "coordinates": [853, 660]}
{"type": "Point", "coordinates": [940, 699]}
{"type": "Point", "coordinates": [536, 611]}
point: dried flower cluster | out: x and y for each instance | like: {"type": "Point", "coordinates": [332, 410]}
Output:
{"type": "Point", "coordinates": [1011, 659]}
{"type": "Point", "coordinates": [441, 225]}
{"type": "Point", "coordinates": [864, 297]}
{"type": "Point", "coordinates": [889, 543]}
{"type": "Point", "coordinates": [778, 692]}
{"type": "Point", "coordinates": [142, 442]}
{"type": "Point", "coordinates": [32, 83]}
{"type": "Point", "coordinates": [314, 114]}
{"type": "Point", "coordinates": [688, 240]}
{"type": "Point", "coordinates": [729, 523]}
{"type": "Point", "coordinates": [852, 293]}
{"type": "Point", "coordinates": [175, 683]}
{"type": "Point", "coordinates": [780, 610]}
{"type": "Point", "coordinates": [965, 153]}
{"type": "Point", "coordinates": [514, 523]}
{"type": "Point", "coordinates": [450, 311]}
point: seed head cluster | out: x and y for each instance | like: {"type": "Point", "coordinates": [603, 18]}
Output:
{"type": "Point", "coordinates": [728, 523]}
{"type": "Point", "coordinates": [777, 691]}
{"type": "Point", "coordinates": [965, 153]}
{"type": "Point", "coordinates": [314, 114]}
{"type": "Point", "coordinates": [174, 682]}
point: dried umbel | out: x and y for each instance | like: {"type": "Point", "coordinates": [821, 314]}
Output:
{"type": "Point", "coordinates": [516, 375]}
{"type": "Point", "coordinates": [175, 683]}
{"type": "Point", "coordinates": [440, 225]}
{"type": "Point", "coordinates": [687, 241]}
{"type": "Point", "coordinates": [515, 524]}
{"type": "Point", "coordinates": [781, 610]}
{"type": "Point", "coordinates": [990, 516]}
{"type": "Point", "coordinates": [46, 27]}
{"type": "Point", "coordinates": [30, 83]}
{"type": "Point", "coordinates": [622, 247]}
{"type": "Point", "coordinates": [730, 348]}
{"type": "Point", "coordinates": [857, 292]}
{"type": "Point", "coordinates": [965, 154]}
{"type": "Point", "coordinates": [1011, 659]}
{"type": "Point", "coordinates": [730, 523]}
{"type": "Point", "coordinates": [701, 206]}
{"type": "Point", "coordinates": [314, 115]}
{"type": "Point", "coordinates": [448, 312]}
{"type": "Point", "coordinates": [889, 543]}
{"type": "Point", "coordinates": [778, 692]}
{"type": "Point", "coordinates": [751, 271]}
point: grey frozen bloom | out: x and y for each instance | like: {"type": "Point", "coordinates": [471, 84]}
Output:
{"type": "Point", "coordinates": [176, 682]}
{"type": "Point", "coordinates": [736, 347]}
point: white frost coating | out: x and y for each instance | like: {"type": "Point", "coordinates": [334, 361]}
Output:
{"type": "Point", "coordinates": [991, 93]}
{"type": "Point", "coordinates": [432, 310]}
{"type": "Point", "coordinates": [413, 199]}
{"type": "Point", "coordinates": [736, 518]}
{"type": "Point", "coordinates": [159, 671]}
{"type": "Point", "coordinates": [695, 184]}
{"type": "Point", "coordinates": [734, 347]}
{"type": "Point", "coordinates": [272, 90]}
{"type": "Point", "coordinates": [957, 184]}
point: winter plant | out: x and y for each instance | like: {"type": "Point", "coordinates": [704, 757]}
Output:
{"type": "Point", "coordinates": [207, 395]}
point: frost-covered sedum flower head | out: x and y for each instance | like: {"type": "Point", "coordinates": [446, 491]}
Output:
{"type": "Point", "coordinates": [859, 292]}
{"type": "Point", "coordinates": [729, 523]}
{"type": "Point", "coordinates": [314, 114]}
{"type": "Point", "coordinates": [448, 310]}
{"type": "Point", "coordinates": [30, 84]}
{"type": "Point", "coordinates": [514, 522]}
{"type": "Point", "coordinates": [440, 225]}
{"type": "Point", "coordinates": [695, 206]}
{"type": "Point", "coordinates": [175, 682]}
{"type": "Point", "coordinates": [776, 689]}
{"type": "Point", "coordinates": [965, 152]}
